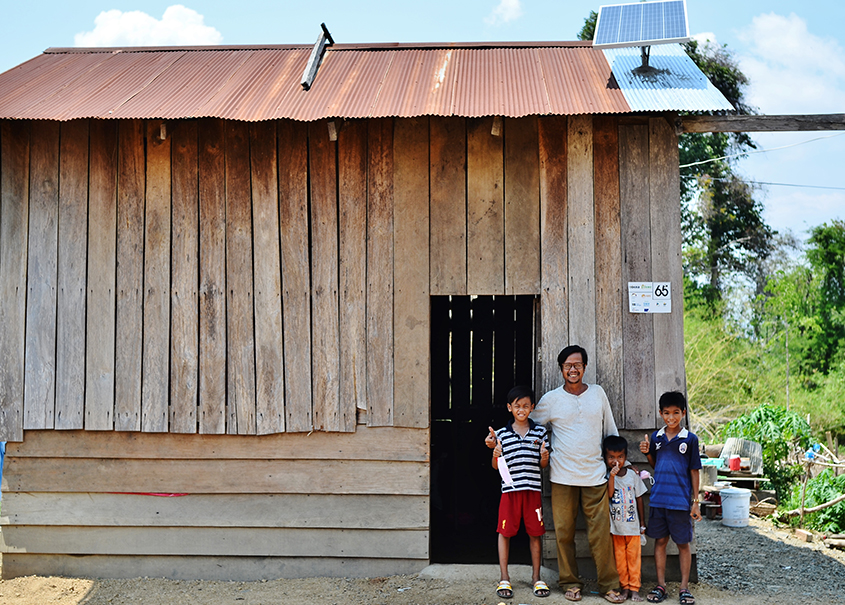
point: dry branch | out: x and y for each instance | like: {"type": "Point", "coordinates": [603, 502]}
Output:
{"type": "Point", "coordinates": [798, 511]}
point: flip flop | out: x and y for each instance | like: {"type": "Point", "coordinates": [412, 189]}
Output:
{"type": "Point", "coordinates": [504, 590]}
{"type": "Point", "coordinates": [685, 597]}
{"type": "Point", "coordinates": [541, 589]}
{"type": "Point", "coordinates": [613, 596]}
{"type": "Point", "coordinates": [573, 594]}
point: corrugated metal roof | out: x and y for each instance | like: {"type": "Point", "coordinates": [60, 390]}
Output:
{"type": "Point", "coordinates": [261, 83]}
{"type": "Point", "coordinates": [678, 85]}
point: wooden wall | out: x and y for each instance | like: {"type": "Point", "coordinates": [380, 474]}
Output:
{"type": "Point", "coordinates": [240, 312]}
{"type": "Point", "coordinates": [241, 507]}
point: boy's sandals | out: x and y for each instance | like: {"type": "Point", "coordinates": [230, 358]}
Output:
{"type": "Point", "coordinates": [504, 590]}
{"type": "Point", "coordinates": [658, 595]}
{"type": "Point", "coordinates": [685, 597]}
{"type": "Point", "coordinates": [573, 594]}
{"type": "Point", "coordinates": [614, 596]}
{"type": "Point", "coordinates": [541, 589]}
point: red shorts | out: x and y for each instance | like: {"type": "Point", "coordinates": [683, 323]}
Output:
{"type": "Point", "coordinates": [523, 505]}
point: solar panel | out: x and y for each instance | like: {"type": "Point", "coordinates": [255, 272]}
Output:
{"type": "Point", "coordinates": [642, 24]}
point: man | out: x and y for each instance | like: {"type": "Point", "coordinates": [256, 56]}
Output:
{"type": "Point", "coordinates": [580, 419]}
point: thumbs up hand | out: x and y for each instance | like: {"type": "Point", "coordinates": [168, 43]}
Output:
{"type": "Point", "coordinates": [644, 445]}
{"type": "Point", "coordinates": [498, 451]}
{"type": "Point", "coordinates": [544, 453]}
{"type": "Point", "coordinates": [490, 440]}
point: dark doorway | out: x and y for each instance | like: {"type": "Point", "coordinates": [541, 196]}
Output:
{"type": "Point", "coordinates": [481, 346]}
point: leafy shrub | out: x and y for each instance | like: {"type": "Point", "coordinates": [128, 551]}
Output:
{"type": "Point", "coordinates": [820, 489]}
{"type": "Point", "coordinates": [777, 430]}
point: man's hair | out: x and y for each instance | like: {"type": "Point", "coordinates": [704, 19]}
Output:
{"type": "Point", "coordinates": [569, 351]}
{"type": "Point", "coordinates": [673, 398]}
{"type": "Point", "coordinates": [613, 443]}
{"type": "Point", "coordinates": [520, 391]}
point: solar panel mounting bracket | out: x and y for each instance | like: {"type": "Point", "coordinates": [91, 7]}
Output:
{"type": "Point", "coordinates": [323, 40]}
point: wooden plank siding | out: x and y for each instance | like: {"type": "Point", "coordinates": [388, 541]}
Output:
{"type": "Point", "coordinates": [262, 278]}
{"type": "Point", "coordinates": [283, 497]}
{"type": "Point", "coordinates": [241, 312]}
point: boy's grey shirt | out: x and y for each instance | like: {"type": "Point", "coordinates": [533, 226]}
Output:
{"type": "Point", "coordinates": [579, 425]}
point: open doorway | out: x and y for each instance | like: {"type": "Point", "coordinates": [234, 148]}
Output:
{"type": "Point", "coordinates": [481, 346]}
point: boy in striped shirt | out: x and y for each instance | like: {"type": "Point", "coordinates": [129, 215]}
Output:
{"type": "Point", "coordinates": [524, 446]}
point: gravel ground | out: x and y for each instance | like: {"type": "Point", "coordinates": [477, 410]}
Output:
{"type": "Point", "coordinates": [742, 566]}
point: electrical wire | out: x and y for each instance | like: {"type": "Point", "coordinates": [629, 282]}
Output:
{"type": "Point", "coordinates": [736, 155]}
{"type": "Point", "coordinates": [692, 177]}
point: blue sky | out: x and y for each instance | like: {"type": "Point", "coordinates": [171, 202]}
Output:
{"type": "Point", "coordinates": [794, 53]}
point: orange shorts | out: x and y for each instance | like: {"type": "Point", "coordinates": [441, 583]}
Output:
{"type": "Point", "coordinates": [523, 505]}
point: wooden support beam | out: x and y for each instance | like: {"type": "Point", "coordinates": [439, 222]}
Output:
{"type": "Point", "coordinates": [784, 123]}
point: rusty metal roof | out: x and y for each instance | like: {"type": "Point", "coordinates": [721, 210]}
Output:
{"type": "Point", "coordinates": [253, 83]}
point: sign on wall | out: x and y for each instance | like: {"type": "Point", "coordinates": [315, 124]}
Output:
{"type": "Point", "coordinates": [649, 297]}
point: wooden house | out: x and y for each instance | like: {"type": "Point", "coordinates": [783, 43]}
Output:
{"type": "Point", "coordinates": [249, 330]}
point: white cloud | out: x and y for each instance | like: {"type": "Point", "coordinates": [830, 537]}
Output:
{"type": "Point", "coordinates": [506, 11]}
{"type": "Point", "coordinates": [178, 26]}
{"type": "Point", "coordinates": [792, 70]}
{"type": "Point", "coordinates": [705, 38]}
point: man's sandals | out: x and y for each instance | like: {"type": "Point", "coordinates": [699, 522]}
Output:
{"type": "Point", "coordinates": [614, 596]}
{"type": "Point", "coordinates": [504, 590]}
{"type": "Point", "coordinates": [573, 594]}
{"type": "Point", "coordinates": [541, 589]}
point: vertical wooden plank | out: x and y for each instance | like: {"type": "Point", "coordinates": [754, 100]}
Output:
{"type": "Point", "coordinates": [485, 209]}
{"type": "Point", "coordinates": [380, 273]}
{"type": "Point", "coordinates": [102, 248]}
{"type": "Point", "coordinates": [296, 275]}
{"type": "Point", "coordinates": [14, 227]}
{"type": "Point", "coordinates": [666, 261]}
{"type": "Point", "coordinates": [412, 330]}
{"type": "Point", "coordinates": [440, 358]}
{"type": "Point", "coordinates": [322, 157]}
{"type": "Point", "coordinates": [554, 329]}
{"type": "Point", "coordinates": [581, 236]}
{"type": "Point", "coordinates": [184, 298]}
{"type": "Point", "coordinates": [504, 377]}
{"type": "Point", "coordinates": [73, 242]}
{"type": "Point", "coordinates": [240, 371]}
{"type": "Point", "coordinates": [461, 362]}
{"type": "Point", "coordinates": [352, 200]}
{"type": "Point", "coordinates": [42, 271]}
{"type": "Point", "coordinates": [611, 297]}
{"type": "Point", "coordinates": [522, 206]}
{"type": "Point", "coordinates": [448, 206]}
{"type": "Point", "coordinates": [637, 328]}
{"type": "Point", "coordinates": [269, 357]}
{"type": "Point", "coordinates": [156, 369]}
{"type": "Point", "coordinates": [212, 253]}
{"type": "Point", "coordinates": [481, 366]}
{"type": "Point", "coordinates": [131, 193]}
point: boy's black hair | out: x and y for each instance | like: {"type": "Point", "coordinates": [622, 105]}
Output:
{"type": "Point", "coordinates": [569, 351]}
{"type": "Point", "coordinates": [613, 443]}
{"type": "Point", "coordinates": [520, 391]}
{"type": "Point", "coordinates": [673, 398]}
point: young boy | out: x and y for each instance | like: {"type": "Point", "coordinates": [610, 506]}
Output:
{"type": "Point", "coordinates": [524, 446]}
{"type": "Point", "coordinates": [625, 489]}
{"type": "Point", "coordinates": [673, 452]}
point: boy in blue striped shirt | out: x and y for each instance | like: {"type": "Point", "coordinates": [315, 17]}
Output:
{"type": "Point", "coordinates": [523, 444]}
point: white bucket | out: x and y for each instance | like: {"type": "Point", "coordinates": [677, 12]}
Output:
{"type": "Point", "coordinates": [735, 505]}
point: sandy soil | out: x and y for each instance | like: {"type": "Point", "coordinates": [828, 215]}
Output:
{"type": "Point", "coordinates": [744, 566]}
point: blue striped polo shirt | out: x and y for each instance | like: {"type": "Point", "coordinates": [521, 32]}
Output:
{"type": "Point", "coordinates": [523, 456]}
{"type": "Point", "coordinates": [673, 461]}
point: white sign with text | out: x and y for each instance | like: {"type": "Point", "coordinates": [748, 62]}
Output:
{"type": "Point", "coordinates": [649, 297]}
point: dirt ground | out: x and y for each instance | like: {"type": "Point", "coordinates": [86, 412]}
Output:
{"type": "Point", "coordinates": [743, 566]}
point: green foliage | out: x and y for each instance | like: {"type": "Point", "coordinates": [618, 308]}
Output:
{"type": "Point", "coordinates": [820, 489]}
{"type": "Point", "coordinates": [777, 430]}
{"type": "Point", "coordinates": [588, 32]}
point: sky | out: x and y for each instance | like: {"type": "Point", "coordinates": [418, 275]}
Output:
{"type": "Point", "coordinates": [793, 52]}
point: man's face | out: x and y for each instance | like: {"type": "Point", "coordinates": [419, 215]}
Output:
{"type": "Point", "coordinates": [573, 369]}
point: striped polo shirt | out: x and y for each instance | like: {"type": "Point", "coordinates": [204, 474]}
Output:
{"type": "Point", "coordinates": [523, 455]}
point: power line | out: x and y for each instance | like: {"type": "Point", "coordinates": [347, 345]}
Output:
{"type": "Point", "coordinates": [736, 155]}
{"type": "Point", "coordinates": [771, 184]}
